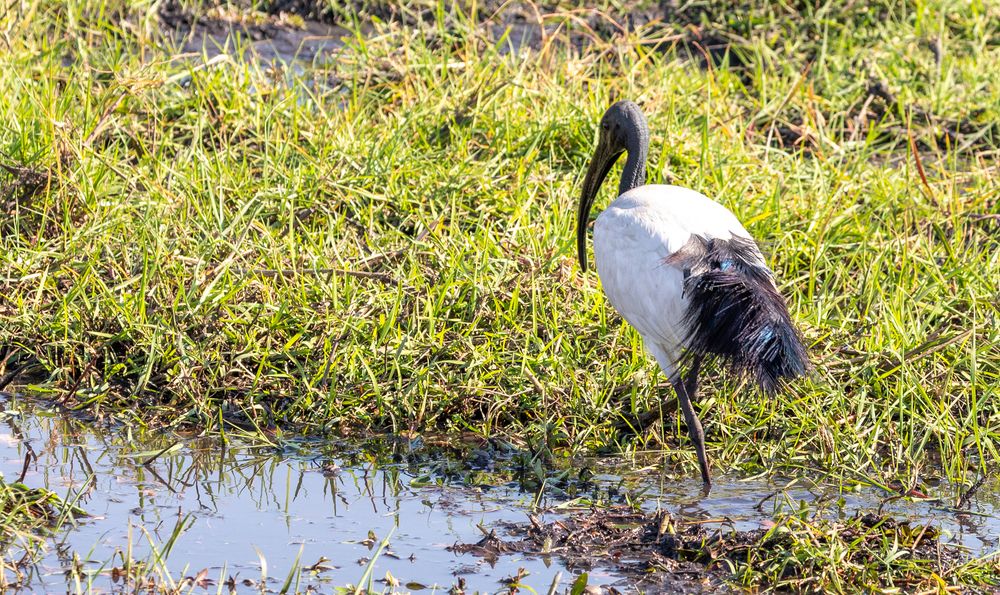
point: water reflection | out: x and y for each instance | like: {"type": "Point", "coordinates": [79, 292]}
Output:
{"type": "Point", "coordinates": [231, 501]}
{"type": "Point", "coordinates": [223, 507]}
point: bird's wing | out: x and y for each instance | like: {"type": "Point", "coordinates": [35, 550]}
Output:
{"type": "Point", "coordinates": [634, 240]}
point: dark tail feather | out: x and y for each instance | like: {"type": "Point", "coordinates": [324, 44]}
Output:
{"type": "Point", "coordinates": [736, 313]}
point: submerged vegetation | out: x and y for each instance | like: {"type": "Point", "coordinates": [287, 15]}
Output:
{"type": "Point", "coordinates": [381, 239]}
{"type": "Point", "coordinates": [26, 516]}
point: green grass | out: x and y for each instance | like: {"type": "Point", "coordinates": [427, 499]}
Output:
{"type": "Point", "coordinates": [395, 252]}
{"type": "Point", "coordinates": [801, 553]}
{"type": "Point", "coordinates": [391, 249]}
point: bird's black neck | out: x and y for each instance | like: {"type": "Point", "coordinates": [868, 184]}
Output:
{"type": "Point", "coordinates": [637, 145]}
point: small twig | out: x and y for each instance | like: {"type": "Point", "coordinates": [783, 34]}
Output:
{"type": "Point", "coordinates": [923, 531]}
{"type": "Point", "coordinates": [160, 479]}
{"type": "Point", "coordinates": [705, 54]}
{"type": "Point", "coordinates": [76, 385]}
{"type": "Point", "coordinates": [378, 258]}
{"type": "Point", "coordinates": [555, 583]}
{"type": "Point", "coordinates": [103, 119]}
{"type": "Point", "coordinates": [534, 382]}
{"type": "Point", "coordinates": [760, 504]}
{"type": "Point", "coordinates": [24, 470]}
{"type": "Point", "coordinates": [920, 166]}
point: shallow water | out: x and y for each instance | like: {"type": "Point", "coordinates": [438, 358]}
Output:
{"type": "Point", "coordinates": [267, 43]}
{"type": "Point", "coordinates": [310, 502]}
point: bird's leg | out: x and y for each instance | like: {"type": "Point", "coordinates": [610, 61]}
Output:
{"type": "Point", "coordinates": [691, 382]}
{"type": "Point", "coordinates": [687, 388]}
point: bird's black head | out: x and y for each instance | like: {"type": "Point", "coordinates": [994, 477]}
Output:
{"type": "Point", "coordinates": [623, 128]}
{"type": "Point", "coordinates": [622, 121]}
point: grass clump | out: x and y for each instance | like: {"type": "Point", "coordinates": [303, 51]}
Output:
{"type": "Point", "coordinates": [868, 552]}
{"type": "Point", "coordinates": [26, 508]}
{"type": "Point", "coordinates": [27, 515]}
{"type": "Point", "coordinates": [383, 241]}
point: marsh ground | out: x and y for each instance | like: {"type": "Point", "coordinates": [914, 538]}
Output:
{"type": "Point", "coordinates": [375, 236]}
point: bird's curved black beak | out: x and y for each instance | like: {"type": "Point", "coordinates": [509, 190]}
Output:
{"type": "Point", "coordinates": [600, 164]}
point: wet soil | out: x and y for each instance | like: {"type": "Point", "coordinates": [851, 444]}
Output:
{"type": "Point", "coordinates": [263, 37]}
{"type": "Point", "coordinates": [20, 183]}
{"type": "Point", "coordinates": [522, 25]}
{"type": "Point", "coordinates": [652, 548]}
{"type": "Point", "coordinates": [660, 550]}
{"type": "Point", "coordinates": [23, 182]}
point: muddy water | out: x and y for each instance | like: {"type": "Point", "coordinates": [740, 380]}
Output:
{"type": "Point", "coordinates": [239, 504]}
{"type": "Point", "coordinates": [266, 44]}
{"type": "Point", "coordinates": [324, 509]}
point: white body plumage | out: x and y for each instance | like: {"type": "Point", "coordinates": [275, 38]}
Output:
{"type": "Point", "coordinates": [634, 239]}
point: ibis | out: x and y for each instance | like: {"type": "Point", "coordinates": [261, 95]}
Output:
{"type": "Point", "coordinates": [682, 270]}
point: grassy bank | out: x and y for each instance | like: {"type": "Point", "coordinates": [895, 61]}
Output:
{"type": "Point", "coordinates": [384, 242]}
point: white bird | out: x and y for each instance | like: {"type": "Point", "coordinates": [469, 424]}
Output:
{"type": "Point", "coordinates": [682, 270]}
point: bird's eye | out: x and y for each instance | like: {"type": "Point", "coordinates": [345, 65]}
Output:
{"type": "Point", "coordinates": [605, 126]}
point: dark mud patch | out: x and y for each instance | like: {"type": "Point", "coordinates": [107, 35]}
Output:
{"type": "Point", "coordinates": [277, 35]}
{"type": "Point", "coordinates": [22, 183]}
{"type": "Point", "coordinates": [649, 548]}
{"type": "Point", "coordinates": [705, 36]}
{"type": "Point", "coordinates": [674, 554]}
